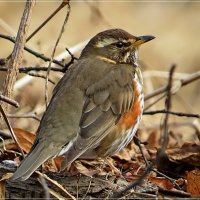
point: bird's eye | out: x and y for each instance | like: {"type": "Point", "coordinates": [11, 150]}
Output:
{"type": "Point", "coordinates": [119, 44]}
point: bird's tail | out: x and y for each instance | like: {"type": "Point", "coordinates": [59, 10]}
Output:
{"type": "Point", "coordinates": [38, 155]}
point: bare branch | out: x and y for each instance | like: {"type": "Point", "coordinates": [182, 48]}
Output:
{"type": "Point", "coordinates": [9, 101]}
{"type": "Point", "coordinates": [17, 54]}
{"type": "Point", "coordinates": [155, 101]}
{"type": "Point", "coordinates": [28, 115]}
{"type": "Point", "coordinates": [26, 70]}
{"type": "Point", "coordinates": [36, 54]}
{"type": "Point", "coordinates": [40, 76]}
{"type": "Point", "coordinates": [193, 77]}
{"type": "Point", "coordinates": [62, 5]}
{"type": "Point", "coordinates": [132, 185]}
{"type": "Point", "coordinates": [165, 137]}
{"type": "Point", "coordinates": [180, 114]}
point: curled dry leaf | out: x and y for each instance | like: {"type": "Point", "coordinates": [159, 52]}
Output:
{"type": "Point", "coordinates": [189, 153]}
{"type": "Point", "coordinates": [127, 153]}
{"type": "Point", "coordinates": [80, 168]}
{"type": "Point", "coordinates": [193, 183]}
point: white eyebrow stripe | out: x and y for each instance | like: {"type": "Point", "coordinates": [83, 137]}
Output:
{"type": "Point", "coordinates": [108, 41]}
{"type": "Point", "coordinates": [105, 42]}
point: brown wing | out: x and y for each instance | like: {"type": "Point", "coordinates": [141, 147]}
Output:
{"type": "Point", "coordinates": [106, 101]}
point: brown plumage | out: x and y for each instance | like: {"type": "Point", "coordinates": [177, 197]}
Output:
{"type": "Point", "coordinates": [96, 107]}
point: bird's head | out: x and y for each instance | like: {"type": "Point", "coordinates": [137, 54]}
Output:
{"type": "Point", "coordinates": [115, 45]}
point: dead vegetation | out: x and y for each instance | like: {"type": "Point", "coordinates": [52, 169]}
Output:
{"type": "Point", "coordinates": [162, 162]}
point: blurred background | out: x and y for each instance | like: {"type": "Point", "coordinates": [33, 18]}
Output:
{"type": "Point", "coordinates": [176, 26]}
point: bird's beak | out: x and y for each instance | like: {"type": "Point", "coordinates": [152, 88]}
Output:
{"type": "Point", "coordinates": [142, 39]}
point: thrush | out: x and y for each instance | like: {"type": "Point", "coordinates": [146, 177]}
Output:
{"type": "Point", "coordinates": [96, 107]}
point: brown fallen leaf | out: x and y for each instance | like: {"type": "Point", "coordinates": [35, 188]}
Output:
{"type": "Point", "coordinates": [24, 138]}
{"type": "Point", "coordinates": [193, 183]}
{"type": "Point", "coordinates": [189, 153]}
{"type": "Point", "coordinates": [161, 182]}
{"type": "Point", "coordinates": [80, 168]}
{"type": "Point", "coordinates": [6, 176]}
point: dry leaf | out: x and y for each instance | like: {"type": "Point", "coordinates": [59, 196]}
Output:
{"type": "Point", "coordinates": [153, 139]}
{"type": "Point", "coordinates": [83, 170]}
{"type": "Point", "coordinates": [6, 176]}
{"type": "Point", "coordinates": [57, 161]}
{"type": "Point", "coordinates": [189, 153]}
{"type": "Point", "coordinates": [193, 183]}
{"type": "Point", "coordinates": [161, 182]}
{"type": "Point", "coordinates": [3, 183]}
{"type": "Point", "coordinates": [24, 138]}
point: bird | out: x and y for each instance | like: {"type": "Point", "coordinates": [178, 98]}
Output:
{"type": "Point", "coordinates": [96, 107]}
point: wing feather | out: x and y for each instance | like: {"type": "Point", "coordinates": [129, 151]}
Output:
{"type": "Point", "coordinates": [105, 102]}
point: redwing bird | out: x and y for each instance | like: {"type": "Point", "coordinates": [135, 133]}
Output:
{"type": "Point", "coordinates": [96, 107]}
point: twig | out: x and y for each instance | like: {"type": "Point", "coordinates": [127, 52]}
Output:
{"type": "Point", "coordinates": [167, 177]}
{"type": "Point", "coordinates": [9, 101]}
{"type": "Point", "coordinates": [88, 189]}
{"type": "Point", "coordinates": [162, 74]}
{"type": "Point", "coordinates": [54, 50]}
{"type": "Point", "coordinates": [165, 137]}
{"type": "Point", "coordinates": [132, 185]}
{"type": "Point", "coordinates": [36, 54]}
{"type": "Point", "coordinates": [180, 114]}
{"type": "Point", "coordinates": [193, 77]}
{"type": "Point", "coordinates": [10, 129]}
{"type": "Point", "coordinates": [154, 102]}
{"type": "Point", "coordinates": [175, 193]}
{"type": "Point", "coordinates": [64, 55]}
{"type": "Point", "coordinates": [62, 5]}
{"type": "Point", "coordinates": [17, 54]}
{"type": "Point", "coordinates": [70, 62]}
{"type": "Point", "coordinates": [43, 182]}
{"type": "Point", "coordinates": [28, 69]}
{"type": "Point", "coordinates": [193, 123]}
{"type": "Point", "coordinates": [138, 143]}
{"type": "Point", "coordinates": [77, 186]}
{"type": "Point", "coordinates": [29, 115]}
{"type": "Point", "coordinates": [57, 185]}
{"type": "Point", "coordinates": [40, 76]}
